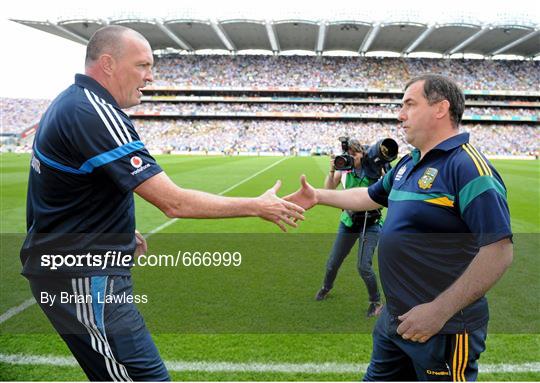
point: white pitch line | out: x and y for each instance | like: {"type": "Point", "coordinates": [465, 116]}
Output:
{"type": "Point", "coordinates": [29, 302]}
{"type": "Point", "coordinates": [290, 368]}
{"type": "Point", "coordinates": [17, 309]}
{"type": "Point", "coordinates": [170, 222]}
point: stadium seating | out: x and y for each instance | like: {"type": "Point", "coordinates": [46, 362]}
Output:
{"type": "Point", "coordinates": [19, 113]}
{"type": "Point", "coordinates": [349, 72]}
{"type": "Point", "coordinates": [502, 125]}
{"type": "Point", "coordinates": [314, 137]}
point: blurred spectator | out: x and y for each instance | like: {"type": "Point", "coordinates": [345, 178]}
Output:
{"type": "Point", "coordinates": [233, 107]}
{"type": "Point", "coordinates": [294, 136]}
{"type": "Point", "coordinates": [20, 113]}
{"type": "Point", "coordinates": [219, 107]}
{"type": "Point", "coordinates": [291, 137]}
{"type": "Point", "coordinates": [347, 72]}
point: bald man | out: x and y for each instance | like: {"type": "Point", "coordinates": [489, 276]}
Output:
{"type": "Point", "coordinates": [87, 162]}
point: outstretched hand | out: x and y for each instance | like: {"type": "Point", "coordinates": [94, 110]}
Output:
{"type": "Point", "coordinates": [277, 210]}
{"type": "Point", "coordinates": [305, 197]}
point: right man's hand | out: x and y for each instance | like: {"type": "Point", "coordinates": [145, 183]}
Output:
{"type": "Point", "coordinates": [306, 196]}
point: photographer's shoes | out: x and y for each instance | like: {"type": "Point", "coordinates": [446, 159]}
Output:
{"type": "Point", "coordinates": [374, 309]}
{"type": "Point", "coordinates": [323, 292]}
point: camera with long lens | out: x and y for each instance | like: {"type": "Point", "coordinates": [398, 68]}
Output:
{"type": "Point", "coordinates": [376, 157]}
{"type": "Point", "coordinates": [344, 161]}
{"type": "Point", "coordinates": [379, 156]}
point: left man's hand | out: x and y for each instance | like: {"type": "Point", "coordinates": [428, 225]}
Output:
{"type": "Point", "coordinates": [421, 322]}
{"type": "Point", "coordinates": [142, 247]}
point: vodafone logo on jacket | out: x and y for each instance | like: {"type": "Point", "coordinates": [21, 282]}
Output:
{"type": "Point", "coordinates": [136, 162]}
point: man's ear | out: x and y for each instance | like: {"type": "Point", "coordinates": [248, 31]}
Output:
{"type": "Point", "coordinates": [443, 109]}
{"type": "Point", "coordinates": [107, 64]}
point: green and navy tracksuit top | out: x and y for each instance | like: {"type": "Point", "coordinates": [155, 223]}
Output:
{"type": "Point", "coordinates": [441, 210]}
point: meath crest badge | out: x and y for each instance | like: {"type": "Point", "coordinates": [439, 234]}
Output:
{"type": "Point", "coordinates": [426, 181]}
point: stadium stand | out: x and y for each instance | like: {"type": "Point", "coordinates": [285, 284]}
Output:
{"type": "Point", "coordinates": [301, 104]}
{"type": "Point", "coordinates": [349, 72]}
{"type": "Point", "coordinates": [310, 137]}
{"type": "Point", "coordinates": [163, 108]}
{"type": "Point", "coordinates": [18, 114]}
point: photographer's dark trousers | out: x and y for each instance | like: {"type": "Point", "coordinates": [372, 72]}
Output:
{"type": "Point", "coordinates": [444, 357]}
{"type": "Point", "coordinates": [109, 340]}
{"type": "Point", "coordinates": [345, 240]}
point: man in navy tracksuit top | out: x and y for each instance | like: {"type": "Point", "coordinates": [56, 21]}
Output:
{"type": "Point", "coordinates": [446, 240]}
{"type": "Point", "coordinates": [87, 161]}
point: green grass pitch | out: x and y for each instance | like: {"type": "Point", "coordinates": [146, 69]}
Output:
{"type": "Point", "coordinates": [263, 311]}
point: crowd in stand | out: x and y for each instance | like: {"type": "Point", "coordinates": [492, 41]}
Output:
{"type": "Point", "coordinates": [292, 137]}
{"type": "Point", "coordinates": [504, 112]}
{"type": "Point", "coordinates": [224, 107]}
{"type": "Point", "coordinates": [343, 72]}
{"type": "Point", "coordinates": [220, 107]}
{"type": "Point", "coordinates": [505, 139]}
{"type": "Point", "coordinates": [287, 137]}
{"type": "Point", "coordinates": [19, 113]}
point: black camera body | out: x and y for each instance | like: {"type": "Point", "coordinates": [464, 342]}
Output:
{"type": "Point", "coordinates": [344, 161]}
{"type": "Point", "coordinates": [376, 157]}
{"type": "Point", "coordinates": [369, 217]}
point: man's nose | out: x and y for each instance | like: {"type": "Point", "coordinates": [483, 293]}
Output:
{"type": "Point", "coordinates": [149, 77]}
{"type": "Point", "coordinates": [401, 115]}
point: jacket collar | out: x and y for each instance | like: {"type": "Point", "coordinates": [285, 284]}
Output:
{"type": "Point", "coordinates": [95, 87]}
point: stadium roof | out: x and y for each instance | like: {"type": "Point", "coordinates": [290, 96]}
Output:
{"type": "Point", "coordinates": [277, 36]}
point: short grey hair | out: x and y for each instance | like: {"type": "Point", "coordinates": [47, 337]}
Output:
{"type": "Point", "coordinates": [109, 40]}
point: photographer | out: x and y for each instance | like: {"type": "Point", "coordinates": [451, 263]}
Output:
{"type": "Point", "coordinates": [365, 226]}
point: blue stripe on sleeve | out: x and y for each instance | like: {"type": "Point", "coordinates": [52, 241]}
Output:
{"type": "Point", "coordinates": [110, 156]}
{"type": "Point", "coordinates": [94, 162]}
{"type": "Point", "coordinates": [56, 165]}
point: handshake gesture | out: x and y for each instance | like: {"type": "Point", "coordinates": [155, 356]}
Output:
{"type": "Point", "coordinates": [177, 202]}
{"type": "Point", "coordinates": [287, 210]}
{"type": "Point", "coordinates": [279, 211]}
{"type": "Point", "coordinates": [305, 197]}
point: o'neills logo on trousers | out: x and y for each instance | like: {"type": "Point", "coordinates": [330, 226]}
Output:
{"type": "Point", "coordinates": [431, 372]}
